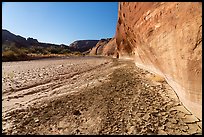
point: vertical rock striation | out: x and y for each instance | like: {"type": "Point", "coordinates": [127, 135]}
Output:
{"type": "Point", "coordinates": [165, 38]}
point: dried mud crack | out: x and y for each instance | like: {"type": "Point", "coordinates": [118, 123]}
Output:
{"type": "Point", "coordinates": [127, 101]}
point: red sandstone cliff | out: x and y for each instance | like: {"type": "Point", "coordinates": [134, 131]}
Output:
{"type": "Point", "coordinates": [98, 49]}
{"type": "Point", "coordinates": [165, 38]}
{"type": "Point", "coordinates": [105, 47]}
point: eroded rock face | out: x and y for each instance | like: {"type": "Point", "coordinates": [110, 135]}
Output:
{"type": "Point", "coordinates": [98, 49]}
{"type": "Point", "coordinates": [105, 47]}
{"type": "Point", "coordinates": [110, 49]}
{"type": "Point", "coordinates": [165, 38]}
{"type": "Point", "coordinates": [83, 45]}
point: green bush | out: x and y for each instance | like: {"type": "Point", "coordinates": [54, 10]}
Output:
{"type": "Point", "coordinates": [17, 54]}
{"type": "Point", "coordinates": [13, 52]}
{"type": "Point", "coordinates": [9, 54]}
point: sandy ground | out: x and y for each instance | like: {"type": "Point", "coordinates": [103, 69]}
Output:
{"type": "Point", "coordinates": [89, 95]}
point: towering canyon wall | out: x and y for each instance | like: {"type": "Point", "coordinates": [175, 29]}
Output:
{"type": "Point", "coordinates": [165, 38]}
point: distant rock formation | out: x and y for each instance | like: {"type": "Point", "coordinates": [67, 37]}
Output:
{"type": "Point", "coordinates": [19, 41]}
{"type": "Point", "coordinates": [32, 41]}
{"type": "Point", "coordinates": [165, 38]}
{"type": "Point", "coordinates": [110, 49]}
{"type": "Point", "coordinates": [10, 37]}
{"type": "Point", "coordinates": [82, 45]}
{"type": "Point", "coordinates": [105, 47]}
{"type": "Point", "coordinates": [98, 48]}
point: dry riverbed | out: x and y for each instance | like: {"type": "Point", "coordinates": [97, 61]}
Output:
{"type": "Point", "coordinates": [89, 95]}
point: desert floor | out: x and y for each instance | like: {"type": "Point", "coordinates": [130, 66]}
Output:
{"type": "Point", "coordinates": [89, 95]}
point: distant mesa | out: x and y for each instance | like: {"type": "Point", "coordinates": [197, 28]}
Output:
{"type": "Point", "coordinates": [84, 46]}
{"type": "Point", "coordinates": [8, 37]}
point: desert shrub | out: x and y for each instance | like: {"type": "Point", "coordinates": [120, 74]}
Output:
{"type": "Point", "coordinates": [57, 50]}
{"type": "Point", "coordinates": [14, 54]}
{"type": "Point", "coordinates": [64, 51]}
{"type": "Point", "coordinates": [11, 52]}
{"type": "Point", "coordinates": [77, 53]}
{"type": "Point", "coordinates": [54, 50]}
{"type": "Point", "coordinates": [45, 52]}
{"type": "Point", "coordinates": [8, 54]}
{"type": "Point", "coordinates": [37, 50]}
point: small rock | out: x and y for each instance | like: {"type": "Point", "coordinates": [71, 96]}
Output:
{"type": "Point", "coordinates": [131, 130]}
{"type": "Point", "coordinates": [151, 88]}
{"type": "Point", "coordinates": [162, 127]}
{"type": "Point", "coordinates": [174, 121]}
{"type": "Point", "coordinates": [36, 120]}
{"type": "Point", "coordinates": [15, 132]}
{"type": "Point", "coordinates": [146, 116]}
{"type": "Point", "coordinates": [155, 112]}
{"type": "Point", "coordinates": [25, 116]}
{"type": "Point", "coordinates": [77, 112]}
{"type": "Point", "coordinates": [47, 118]}
{"type": "Point", "coordinates": [184, 128]}
{"type": "Point", "coordinates": [77, 131]}
{"type": "Point", "coordinates": [163, 113]}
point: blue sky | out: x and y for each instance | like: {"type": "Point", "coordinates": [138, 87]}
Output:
{"type": "Point", "coordinates": [60, 22]}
